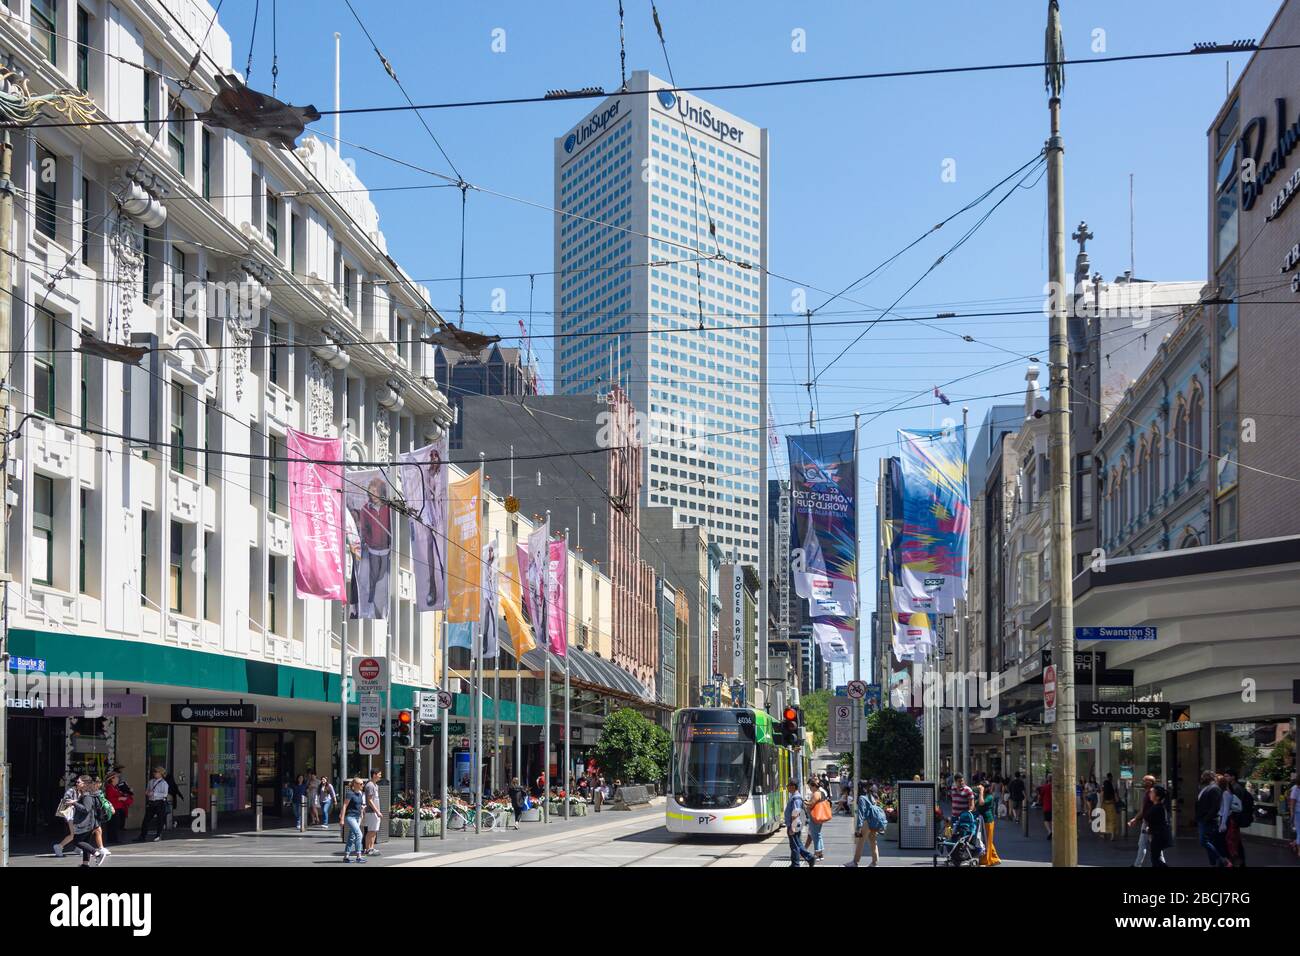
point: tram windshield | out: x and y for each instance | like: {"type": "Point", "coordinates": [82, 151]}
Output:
{"type": "Point", "coordinates": [713, 758]}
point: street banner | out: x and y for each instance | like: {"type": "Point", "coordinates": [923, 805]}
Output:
{"type": "Point", "coordinates": [823, 495]}
{"type": "Point", "coordinates": [425, 475]}
{"type": "Point", "coordinates": [521, 632]}
{"type": "Point", "coordinates": [900, 689]}
{"type": "Point", "coordinates": [315, 503]}
{"type": "Point", "coordinates": [491, 609]}
{"type": "Point", "coordinates": [464, 550]}
{"type": "Point", "coordinates": [370, 542]}
{"type": "Point", "coordinates": [533, 564]}
{"type": "Point", "coordinates": [557, 597]}
{"type": "Point", "coordinates": [935, 533]}
{"type": "Point", "coordinates": [910, 626]}
{"type": "Point", "coordinates": [834, 636]}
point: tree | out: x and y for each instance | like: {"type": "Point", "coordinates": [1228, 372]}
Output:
{"type": "Point", "coordinates": [893, 749]}
{"type": "Point", "coordinates": [629, 749]}
{"type": "Point", "coordinates": [816, 715]}
{"type": "Point", "coordinates": [1280, 763]}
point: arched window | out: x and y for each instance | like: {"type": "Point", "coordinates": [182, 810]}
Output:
{"type": "Point", "coordinates": [1123, 515]}
{"type": "Point", "coordinates": [1195, 429]}
{"type": "Point", "coordinates": [1143, 485]}
{"type": "Point", "coordinates": [1180, 443]}
{"type": "Point", "coordinates": [1154, 477]}
{"type": "Point", "coordinates": [1190, 540]}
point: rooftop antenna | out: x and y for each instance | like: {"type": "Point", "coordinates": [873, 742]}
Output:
{"type": "Point", "coordinates": [1132, 255]}
{"type": "Point", "coordinates": [622, 49]}
{"type": "Point", "coordinates": [338, 118]}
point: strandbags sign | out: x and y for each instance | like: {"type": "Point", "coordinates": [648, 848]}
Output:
{"type": "Point", "coordinates": [935, 534]}
{"type": "Point", "coordinates": [315, 494]}
{"type": "Point", "coordinates": [823, 494]}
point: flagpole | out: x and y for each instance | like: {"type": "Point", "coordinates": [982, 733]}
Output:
{"type": "Point", "coordinates": [446, 747]}
{"type": "Point", "coordinates": [545, 643]}
{"type": "Point", "coordinates": [496, 676]}
{"type": "Point", "coordinates": [857, 621]}
{"type": "Point", "coordinates": [343, 637]}
{"type": "Point", "coordinates": [518, 680]}
{"type": "Point", "coordinates": [478, 684]}
{"type": "Point", "coordinates": [564, 777]}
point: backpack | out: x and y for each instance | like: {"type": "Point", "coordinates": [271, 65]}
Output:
{"type": "Point", "coordinates": [821, 811]}
{"type": "Point", "coordinates": [875, 817]}
{"type": "Point", "coordinates": [1246, 815]}
{"type": "Point", "coordinates": [105, 807]}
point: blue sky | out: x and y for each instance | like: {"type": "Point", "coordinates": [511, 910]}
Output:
{"type": "Point", "coordinates": [856, 167]}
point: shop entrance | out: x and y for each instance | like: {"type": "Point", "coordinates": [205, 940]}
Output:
{"type": "Point", "coordinates": [279, 758]}
{"type": "Point", "coordinates": [37, 778]}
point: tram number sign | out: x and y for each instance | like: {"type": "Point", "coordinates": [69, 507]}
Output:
{"type": "Point", "coordinates": [857, 689]}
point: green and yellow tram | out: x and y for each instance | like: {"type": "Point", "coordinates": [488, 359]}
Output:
{"type": "Point", "coordinates": [728, 772]}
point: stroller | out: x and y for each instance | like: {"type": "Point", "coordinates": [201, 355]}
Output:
{"type": "Point", "coordinates": [959, 849]}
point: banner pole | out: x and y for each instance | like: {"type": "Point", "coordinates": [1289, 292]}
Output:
{"type": "Point", "coordinates": [857, 620]}
{"type": "Point", "coordinates": [343, 635]}
{"type": "Point", "coordinates": [564, 624]}
{"type": "Point", "coordinates": [496, 677]}
{"type": "Point", "coordinates": [477, 760]}
{"type": "Point", "coordinates": [446, 686]}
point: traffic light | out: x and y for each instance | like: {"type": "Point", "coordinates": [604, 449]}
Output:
{"type": "Point", "coordinates": [428, 731]}
{"type": "Point", "coordinates": [790, 734]}
{"type": "Point", "coordinates": [404, 728]}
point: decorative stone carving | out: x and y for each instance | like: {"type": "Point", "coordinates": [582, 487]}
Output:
{"type": "Point", "coordinates": [125, 245]}
{"type": "Point", "coordinates": [320, 397]}
{"type": "Point", "coordinates": [240, 336]}
{"type": "Point", "coordinates": [382, 432]}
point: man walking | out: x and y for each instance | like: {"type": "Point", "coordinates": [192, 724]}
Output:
{"type": "Point", "coordinates": [1017, 796]}
{"type": "Point", "coordinates": [1209, 808]}
{"type": "Point", "coordinates": [373, 816]}
{"type": "Point", "coordinates": [1045, 801]}
{"type": "Point", "coordinates": [155, 794]}
{"type": "Point", "coordinates": [794, 826]}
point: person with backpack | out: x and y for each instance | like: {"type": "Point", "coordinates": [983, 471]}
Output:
{"type": "Point", "coordinates": [1144, 833]}
{"type": "Point", "coordinates": [518, 798]}
{"type": "Point", "coordinates": [1017, 792]}
{"type": "Point", "coordinates": [819, 814]}
{"type": "Point", "coordinates": [794, 823]}
{"type": "Point", "coordinates": [869, 821]}
{"type": "Point", "coordinates": [87, 818]}
{"type": "Point", "coordinates": [1209, 803]}
{"type": "Point", "coordinates": [1242, 815]}
{"type": "Point", "coordinates": [1155, 822]}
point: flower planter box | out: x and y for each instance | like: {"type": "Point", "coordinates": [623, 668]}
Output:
{"type": "Point", "coordinates": [431, 828]}
{"type": "Point", "coordinates": [399, 828]}
{"type": "Point", "coordinates": [404, 827]}
{"type": "Point", "coordinates": [891, 832]}
{"type": "Point", "coordinates": [531, 816]}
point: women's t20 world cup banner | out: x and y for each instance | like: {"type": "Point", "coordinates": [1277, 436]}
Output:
{"type": "Point", "coordinates": [935, 534]}
{"type": "Point", "coordinates": [823, 498]}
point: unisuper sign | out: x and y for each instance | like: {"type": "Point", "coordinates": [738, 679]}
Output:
{"type": "Point", "coordinates": [700, 116]}
{"type": "Point", "coordinates": [591, 126]}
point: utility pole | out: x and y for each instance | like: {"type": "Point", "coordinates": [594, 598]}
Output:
{"type": "Point", "coordinates": [6, 345]}
{"type": "Point", "coordinates": [1065, 847]}
{"type": "Point", "coordinates": [964, 631]}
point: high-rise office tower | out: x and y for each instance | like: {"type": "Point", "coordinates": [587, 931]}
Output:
{"type": "Point", "coordinates": [663, 240]}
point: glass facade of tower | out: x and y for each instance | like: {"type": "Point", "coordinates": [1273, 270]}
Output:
{"type": "Point", "coordinates": [647, 267]}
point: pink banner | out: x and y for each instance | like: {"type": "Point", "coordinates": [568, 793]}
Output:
{"type": "Point", "coordinates": [315, 502]}
{"type": "Point", "coordinates": [557, 599]}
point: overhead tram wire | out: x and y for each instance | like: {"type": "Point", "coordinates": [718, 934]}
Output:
{"type": "Point", "coordinates": [775, 84]}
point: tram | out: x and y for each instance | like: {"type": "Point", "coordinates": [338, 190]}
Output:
{"type": "Point", "coordinates": [728, 772]}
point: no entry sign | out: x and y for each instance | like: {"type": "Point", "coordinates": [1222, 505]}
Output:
{"type": "Point", "coordinates": [368, 674]}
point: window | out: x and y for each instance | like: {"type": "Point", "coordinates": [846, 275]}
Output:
{"type": "Point", "coordinates": [207, 582]}
{"type": "Point", "coordinates": [1028, 573]}
{"type": "Point", "coordinates": [45, 17]}
{"type": "Point", "coordinates": [273, 221]}
{"type": "Point", "coordinates": [42, 547]}
{"type": "Point", "coordinates": [1195, 430]}
{"type": "Point", "coordinates": [211, 441]}
{"type": "Point", "coordinates": [144, 557]}
{"type": "Point", "coordinates": [83, 50]}
{"type": "Point", "coordinates": [85, 393]}
{"type": "Point", "coordinates": [47, 192]}
{"type": "Point", "coordinates": [1225, 518]}
{"type": "Point", "coordinates": [1122, 515]}
{"type": "Point", "coordinates": [1083, 487]}
{"type": "Point", "coordinates": [347, 286]}
{"type": "Point", "coordinates": [176, 566]}
{"type": "Point", "coordinates": [43, 364]}
{"type": "Point", "coordinates": [1226, 321]}
{"type": "Point", "coordinates": [1226, 434]}
{"type": "Point", "coordinates": [1143, 486]}
{"type": "Point", "coordinates": [149, 269]}
{"type": "Point", "coordinates": [176, 133]}
{"type": "Point", "coordinates": [274, 452]}
{"type": "Point", "coordinates": [206, 160]}
{"type": "Point", "coordinates": [149, 80]}
{"type": "Point", "coordinates": [273, 351]}
{"type": "Point", "coordinates": [84, 526]}
{"type": "Point", "coordinates": [272, 610]}
{"type": "Point", "coordinates": [1226, 202]}
{"type": "Point", "coordinates": [1180, 444]}
{"type": "Point", "coordinates": [85, 221]}
{"type": "Point", "coordinates": [1157, 487]}
{"type": "Point", "coordinates": [178, 429]}
{"type": "Point", "coordinates": [178, 284]}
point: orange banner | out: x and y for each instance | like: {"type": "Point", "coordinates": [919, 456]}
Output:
{"type": "Point", "coordinates": [512, 608]}
{"type": "Point", "coordinates": [464, 560]}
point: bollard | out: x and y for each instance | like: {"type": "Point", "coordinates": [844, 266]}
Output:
{"type": "Point", "coordinates": [212, 813]}
{"type": "Point", "coordinates": [302, 815]}
{"type": "Point", "coordinates": [257, 814]}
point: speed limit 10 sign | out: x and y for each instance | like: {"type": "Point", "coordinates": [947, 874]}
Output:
{"type": "Point", "coordinates": [368, 741]}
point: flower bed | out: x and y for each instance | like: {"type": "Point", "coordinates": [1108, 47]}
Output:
{"type": "Point", "coordinates": [402, 819]}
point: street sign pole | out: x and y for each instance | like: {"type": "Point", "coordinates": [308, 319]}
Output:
{"type": "Point", "coordinates": [418, 802]}
{"type": "Point", "coordinates": [343, 644]}
{"type": "Point", "coordinates": [442, 746]}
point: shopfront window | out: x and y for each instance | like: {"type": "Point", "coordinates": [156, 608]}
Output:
{"type": "Point", "coordinates": [222, 767]}
{"type": "Point", "coordinates": [1225, 399]}
{"type": "Point", "coordinates": [90, 746]}
{"type": "Point", "coordinates": [1226, 202]}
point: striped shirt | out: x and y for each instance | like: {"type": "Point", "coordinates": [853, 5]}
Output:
{"type": "Point", "coordinates": [962, 798]}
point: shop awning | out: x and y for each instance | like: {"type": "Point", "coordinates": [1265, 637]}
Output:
{"type": "Point", "coordinates": [591, 670]}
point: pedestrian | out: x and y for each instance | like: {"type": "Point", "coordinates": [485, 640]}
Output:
{"type": "Point", "coordinates": [986, 810]}
{"type": "Point", "coordinates": [350, 813]}
{"type": "Point", "coordinates": [794, 824]}
{"type": "Point", "coordinates": [1144, 833]}
{"type": "Point", "coordinates": [373, 815]}
{"type": "Point", "coordinates": [1110, 807]}
{"type": "Point", "coordinates": [869, 821]}
{"type": "Point", "coordinates": [598, 797]}
{"type": "Point", "coordinates": [155, 806]}
{"type": "Point", "coordinates": [1045, 801]}
{"type": "Point", "coordinates": [87, 817]}
{"type": "Point", "coordinates": [299, 799]}
{"type": "Point", "coordinates": [1155, 820]}
{"type": "Point", "coordinates": [819, 814]}
{"type": "Point", "coordinates": [518, 798]}
{"type": "Point", "coordinates": [1017, 791]}
{"type": "Point", "coordinates": [1209, 806]}
{"type": "Point", "coordinates": [313, 798]}
{"type": "Point", "coordinates": [65, 812]}
{"type": "Point", "coordinates": [960, 799]}
{"type": "Point", "coordinates": [1293, 805]}
{"type": "Point", "coordinates": [327, 796]}
{"type": "Point", "coordinates": [121, 801]}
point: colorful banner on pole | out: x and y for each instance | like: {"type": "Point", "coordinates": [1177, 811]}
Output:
{"type": "Point", "coordinates": [533, 563]}
{"type": "Point", "coordinates": [557, 596]}
{"type": "Point", "coordinates": [834, 637]}
{"type": "Point", "coordinates": [935, 532]}
{"type": "Point", "coordinates": [464, 551]}
{"type": "Point", "coordinates": [512, 605]}
{"type": "Point", "coordinates": [823, 494]}
{"type": "Point", "coordinates": [370, 543]}
{"type": "Point", "coordinates": [425, 474]}
{"type": "Point", "coordinates": [315, 503]}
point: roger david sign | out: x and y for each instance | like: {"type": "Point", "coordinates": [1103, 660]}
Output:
{"type": "Point", "coordinates": [1049, 694]}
